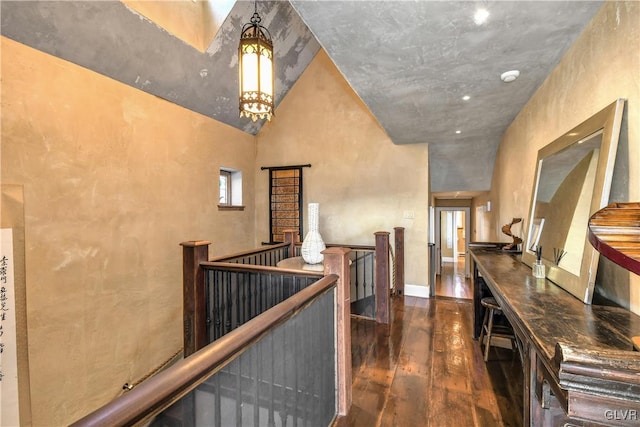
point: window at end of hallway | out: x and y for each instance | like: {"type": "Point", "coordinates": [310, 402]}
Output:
{"type": "Point", "coordinates": [230, 190]}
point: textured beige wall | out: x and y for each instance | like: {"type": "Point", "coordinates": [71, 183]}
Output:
{"type": "Point", "coordinates": [601, 66]}
{"type": "Point", "coordinates": [114, 179]}
{"type": "Point", "coordinates": [190, 21]}
{"type": "Point", "coordinates": [363, 181]}
{"type": "Point", "coordinates": [478, 213]}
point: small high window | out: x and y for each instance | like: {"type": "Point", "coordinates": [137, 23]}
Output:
{"type": "Point", "coordinates": [230, 189]}
{"type": "Point", "coordinates": [225, 188]}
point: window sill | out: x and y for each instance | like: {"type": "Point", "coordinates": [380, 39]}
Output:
{"type": "Point", "coordinates": [230, 208]}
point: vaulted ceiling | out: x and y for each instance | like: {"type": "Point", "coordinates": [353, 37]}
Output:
{"type": "Point", "coordinates": [410, 62]}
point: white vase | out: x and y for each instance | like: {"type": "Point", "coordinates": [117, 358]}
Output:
{"type": "Point", "coordinates": [313, 245]}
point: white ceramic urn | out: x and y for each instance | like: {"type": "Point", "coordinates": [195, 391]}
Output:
{"type": "Point", "coordinates": [313, 245]}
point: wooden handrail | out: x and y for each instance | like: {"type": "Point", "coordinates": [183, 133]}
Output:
{"type": "Point", "coordinates": [158, 392]}
{"type": "Point", "coordinates": [231, 266]}
{"type": "Point", "coordinates": [196, 261]}
{"type": "Point", "coordinates": [352, 247]}
{"type": "Point", "coordinates": [292, 239]}
{"type": "Point", "coordinates": [249, 252]}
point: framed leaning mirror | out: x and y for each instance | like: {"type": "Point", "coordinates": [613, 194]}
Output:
{"type": "Point", "coordinates": [572, 181]}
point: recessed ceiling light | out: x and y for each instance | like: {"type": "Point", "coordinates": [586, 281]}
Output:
{"type": "Point", "coordinates": [481, 16]}
{"type": "Point", "coordinates": [509, 76]}
{"type": "Point", "coordinates": [466, 98]}
{"type": "Point", "coordinates": [458, 131]}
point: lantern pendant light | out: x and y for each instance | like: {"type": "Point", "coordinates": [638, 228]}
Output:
{"type": "Point", "coordinates": [255, 57]}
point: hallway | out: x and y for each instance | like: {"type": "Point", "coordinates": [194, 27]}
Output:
{"type": "Point", "coordinates": [426, 370]}
{"type": "Point", "coordinates": [452, 282]}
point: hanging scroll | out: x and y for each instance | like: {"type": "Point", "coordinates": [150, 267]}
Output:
{"type": "Point", "coordinates": [15, 393]}
{"type": "Point", "coordinates": [9, 408]}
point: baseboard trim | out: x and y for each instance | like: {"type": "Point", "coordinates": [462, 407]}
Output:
{"type": "Point", "coordinates": [416, 291]}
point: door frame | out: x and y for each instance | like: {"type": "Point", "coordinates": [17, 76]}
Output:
{"type": "Point", "coordinates": [437, 237]}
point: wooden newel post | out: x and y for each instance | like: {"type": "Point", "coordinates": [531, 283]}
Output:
{"type": "Point", "coordinates": [398, 278]}
{"type": "Point", "coordinates": [194, 316]}
{"type": "Point", "coordinates": [336, 261]}
{"type": "Point", "coordinates": [291, 237]}
{"type": "Point", "coordinates": [382, 277]}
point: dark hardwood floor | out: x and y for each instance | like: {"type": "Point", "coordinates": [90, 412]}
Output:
{"type": "Point", "coordinates": [452, 281]}
{"type": "Point", "coordinates": [426, 370]}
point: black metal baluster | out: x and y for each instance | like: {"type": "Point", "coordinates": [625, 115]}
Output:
{"type": "Point", "coordinates": [373, 273]}
{"type": "Point", "coordinates": [209, 290]}
{"type": "Point", "coordinates": [364, 279]}
{"type": "Point", "coordinates": [262, 295]}
{"type": "Point", "coordinates": [281, 288]}
{"type": "Point", "coordinates": [237, 304]}
{"type": "Point", "coordinates": [240, 298]}
{"type": "Point", "coordinates": [251, 296]}
{"type": "Point", "coordinates": [214, 309]}
{"type": "Point", "coordinates": [220, 304]}
{"type": "Point", "coordinates": [278, 293]}
{"type": "Point", "coordinates": [268, 292]}
{"type": "Point", "coordinates": [250, 286]}
{"type": "Point", "coordinates": [358, 263]}
{"type": "Point", "coordinates": [242, 288]}
{"type": "Point", "coordinates": [229, 304]}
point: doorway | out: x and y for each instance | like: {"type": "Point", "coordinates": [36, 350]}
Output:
{"type": "Point", "coordinates": [452, 225]}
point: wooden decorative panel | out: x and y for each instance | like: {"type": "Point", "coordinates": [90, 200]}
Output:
{"type": "Point", "coordinates": [285, 200]}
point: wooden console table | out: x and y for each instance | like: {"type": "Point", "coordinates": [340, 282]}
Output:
{"type": "Point", "coordinates": [578, 361]}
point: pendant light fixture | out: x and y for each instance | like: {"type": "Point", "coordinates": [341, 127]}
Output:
{"type": "Point", "coordinates": [255, 57]}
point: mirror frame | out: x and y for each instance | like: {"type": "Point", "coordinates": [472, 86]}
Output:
{"type": "Point", "coordinates": [609, 121]}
